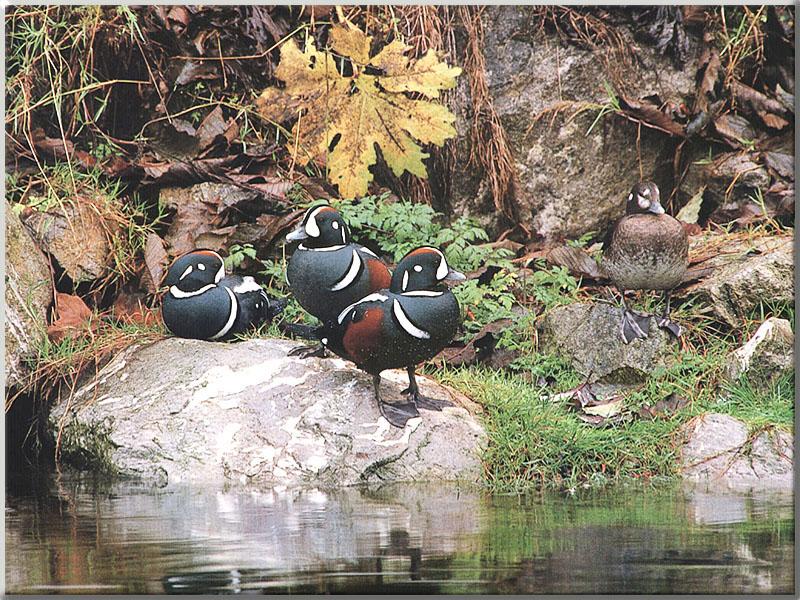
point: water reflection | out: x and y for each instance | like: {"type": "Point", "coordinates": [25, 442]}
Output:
{"type": "Point", "coordinates": [77, 537]}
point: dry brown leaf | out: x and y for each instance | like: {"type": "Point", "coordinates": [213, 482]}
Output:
{"type": "Point", "coordinates": [710, 75]}
{"type": "Point", "coordinates": [52, 147]}
{"type": "Point", "coordinates": [130, 308]}
{"type": "Point", "coordinates": [156, 262]}
{"type": "Point", "coordinates": [213, 125]}
{"type": "Point", "coordinates": [772, 121]}
{"type": "Point", "coordinates": [72, 316]}
{"type": "Point", "coordinates": [649, 114]}
{"type": "Point", "coordinates": [576, 260]}
{"type": "Point", "coordinates": [757, 101]}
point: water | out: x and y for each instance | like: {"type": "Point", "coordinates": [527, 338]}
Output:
{"type": "Point", "coordinates": [75, 537]}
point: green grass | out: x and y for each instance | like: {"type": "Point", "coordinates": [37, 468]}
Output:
{"type": "Point", "coordinates": [536, 441]}
{"type": "Point", "coordinates": [758, 406]}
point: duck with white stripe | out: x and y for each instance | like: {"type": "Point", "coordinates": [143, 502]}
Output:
{"type": "Point", "coordinates": [327, 271]}
{"type": "Point", "coordinates": [202, 303]}
{"type": "Point", "coordinates": [402, 326]}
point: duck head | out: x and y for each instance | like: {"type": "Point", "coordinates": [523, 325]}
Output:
{"type": "Point", "coordinates": [423, 268]}
{"type": "Point", "coordinates": [322, 227]}
{"type": "Point", "coordinates": [644, 198]}
{"type": "Point", "coordinates": [195, 270]}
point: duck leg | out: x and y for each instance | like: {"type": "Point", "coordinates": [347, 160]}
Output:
{"type": "Point", "coordinates": [314, 350]}
{"type": "Point", "coordinates": [418, 399]}
{"type": "Point", "coordinates": [397, 414]}
{"type": "Point", "coordinates": [664, 322]}
{"type": "Point", "coordinates": [635, 325]}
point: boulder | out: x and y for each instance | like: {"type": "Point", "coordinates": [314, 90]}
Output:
{"type": "Point", "coordinates": [570, 181]}
{"type": "Point", "coordinates": [77, 236]}
{"type": "Point", "coordinates": [188, 410]}
{"type": "Point", "coordinates": [29, 292]}
{"type": "Point", "coordinates": [718, 449]}
{"type": "Point", "coordinates": [766, 356]}
{"type": "Point", "coordinates": [745, 273]}
{"type": "Point", "coordinates": [589, 335]}
{"type": "Point", "coordinates": [726, 181]}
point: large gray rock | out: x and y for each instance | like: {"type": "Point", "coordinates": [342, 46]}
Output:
{"type": "Point", "coordinates": [729, 179]}
{"type": "Point", "coordinates": [589, 335]}
{"type": "Point", "coordinates": [718, 450]}
{"type": "Point", "coordinates": [187, 410]}
{"type": "Point", "coordinates": [77, 236]}
{"type": "Point", "coordinates": [570, 181]}
{"type": "Point", "coordinates": [29, 292]}
{"type": "Point", "coordinates": [746, 273]}
{"type": "Point", "coordinates": [768, 355]}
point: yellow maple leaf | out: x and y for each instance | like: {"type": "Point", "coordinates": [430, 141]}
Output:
{"type": "Point", "coordinates": [371, 106]}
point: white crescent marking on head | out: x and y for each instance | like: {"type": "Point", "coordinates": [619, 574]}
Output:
{"type": "Point", "coordinates": [231, 317]}
{"type": "Point", "coordinates": [643, 202]}
{"type": "Point", "coordinates": [405, 280]}
{"type": "Point", "coordinates": [220, 273]}
{"type": "Point", "coordinates": [201, 266]}
{"type": "Point", "coordinates": [406, 323]}
{"type": "Point", "coordinates": [350, 276]}
{"type": "Point", "coordinates": [312, 228]}
{"type": "Point", "coordinates": [443, 269]}
{"type": "Point", "coordinates": [177, 293]}
{"type": "Point", "coordinates": [328, 249]}
{"type": "Point", "coordinates": [185, 273]}
{"type": "Point", "coordinates": [248, 285]}
{"type": "Point", "coordinates": [371, 298]}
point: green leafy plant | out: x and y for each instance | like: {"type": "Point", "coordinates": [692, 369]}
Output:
{"type": "Point", "coordinates": [237, 254]}
{"type": "Point", "coordinates": [551, 285]}
{"type": "Point", "coordinates": [397, 227]}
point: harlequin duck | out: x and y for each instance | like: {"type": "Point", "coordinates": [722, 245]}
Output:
{"type": "Point", "coordinates": [202, 303]}
{"type": "Point", "coordinates": [401, 327]}
{"type": "Point", "coordinates": [646, 250]}
{"type": "Point", "coordinates": [327, 272]}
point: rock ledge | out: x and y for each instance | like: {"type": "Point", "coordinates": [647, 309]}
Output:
{"type": "Point", "coordinates": [187, 410]}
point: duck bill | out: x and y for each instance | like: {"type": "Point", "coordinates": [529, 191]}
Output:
{"type": "Point", "coordinates": [297, 235]}
{"type": "Point", "coordinates": [454, 276]}
{"type": "Point", "coordinates": [656, 208]}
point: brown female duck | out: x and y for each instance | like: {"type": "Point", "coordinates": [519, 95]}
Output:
{"type": "Point", "coordinates": [646, 250]}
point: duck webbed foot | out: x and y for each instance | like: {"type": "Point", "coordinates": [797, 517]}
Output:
{"type": "Point", "coordinates": [670, 325]}
{"type": "Point", "coordinates": [664, 322]}
{"type": "Point", "coordinates": [397, 414]}
{"type": "Point", "coordinates": [418, 399]}
{"type": "Point", "coordinates": [634, 325]}
{"type": "Point", "coordinates": [312, 351]}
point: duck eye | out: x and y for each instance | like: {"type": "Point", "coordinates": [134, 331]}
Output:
{"type": "Point", "coordinates": [201, 266]}
{"type": "Point", "coordinates": [335, 225]}
{"type": "Point", "coordinates": [646, 192]}
{"type": "Point", "coordinates": [418, 268]}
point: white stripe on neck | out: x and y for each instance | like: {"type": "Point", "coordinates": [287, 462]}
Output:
{"type": "Point", "coordinates": [371, 298]}
{"type": "Point", "coordinates": [231, 317]}
{"type": "Point", "coordinates": [350, 276]}
{"type": "Point", "coordinates": [406, 323]}
{"type": "Point", "coordinates": [328, 249]}
{"type": "Point", "coordinates": [177, 293]}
